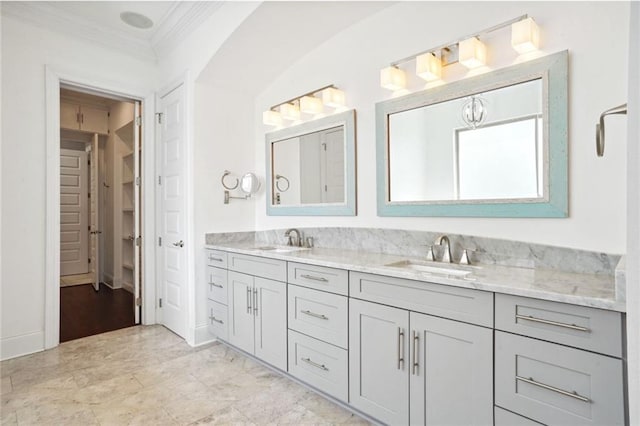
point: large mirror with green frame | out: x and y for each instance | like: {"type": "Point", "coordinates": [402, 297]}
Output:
{"type": "Point", "coordinates": [494, 145]}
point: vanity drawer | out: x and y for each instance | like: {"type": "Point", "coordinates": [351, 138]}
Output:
{"type": "Point", "coordinates": [272, 269]}
{"type": "Point", "coordinates": [217, 284]}
{"type": "Point", "coordinates": [217, 317]}
{"type": "Point", "coordinates": [462, 304]}
{"type": "Point", "coordinates": [216, 258]}
{"type": "Point", "coordinates": [323, 366]}
{"type": "Point", "coordinates": [554, 384]}
{"type": "Point", "coordinates": [580, 326]}
{"type": "Point", "coordinates": [502, 417]}
{"type": "Point", "coordinates": [319, 277]}
{"type": "Point", "coordinates": [319, 314]}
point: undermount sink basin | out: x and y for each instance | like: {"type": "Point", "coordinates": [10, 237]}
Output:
{"type": "Point", "coordinates": [280, 249]}
{"type": "Point", "coordinates": [432, 268]}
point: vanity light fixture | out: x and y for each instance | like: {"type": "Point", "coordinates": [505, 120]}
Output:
{"type": "Point", "coordinates": [333, 97]}
{"type": "Point", "coordinates": [272, 118]}
{"type": "Point", "coordinates": [393, 78]}
{"type": "Point", "coordinates": [311, 105]}
{"type": "Point", "coordinates": [469, 50]}
{"type": "Point", "coordinates": [290, 111]}
{"type": "Point", "coordinates": [525, 36]}
{"type": "Point", "coordinates": [472, 53]}
{"type": "Point", "coordinates": [308, 103]}
{"type": "Point", "coordinates": [429, 67]}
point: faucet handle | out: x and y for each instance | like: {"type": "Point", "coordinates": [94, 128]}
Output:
{"type": "Point", "coordinates": [464, 258]}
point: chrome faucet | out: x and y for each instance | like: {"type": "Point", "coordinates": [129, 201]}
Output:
{"type": "Point", "coordinates": [291, 241]}
{"type": "Point", "coordinates": [441, 241]}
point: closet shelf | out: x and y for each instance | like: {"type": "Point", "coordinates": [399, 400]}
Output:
{"type": "Point", "coordinates": [125, 156]}
{"type": "Point", "coordinates": [127, 182]}
{"type": "Point", "coordinates": [127, 266]}
{"type": "Point", "coordinates": [128, 210]}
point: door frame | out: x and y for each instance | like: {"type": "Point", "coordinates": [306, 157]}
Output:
{"type": "Point", "coordinates": [54, 77]}
{"type": "Point", "coordinates": [187, 84]}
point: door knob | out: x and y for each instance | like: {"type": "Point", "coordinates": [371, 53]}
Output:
{"type": "Point", "coordinates": [179, 244]}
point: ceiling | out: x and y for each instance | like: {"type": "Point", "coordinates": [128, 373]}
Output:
{"type": "Point", "coordinates": [276, 35]}
{"type": "Point", "coordinates": [99, 21]}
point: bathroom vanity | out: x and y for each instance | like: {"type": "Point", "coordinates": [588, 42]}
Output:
{"type": "Point", "coordinates": [404, 341]}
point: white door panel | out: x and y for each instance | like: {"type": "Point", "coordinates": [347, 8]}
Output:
{"type": "Point", "coordinates": [172, 207]}
{"type": "Point", "coordinates": [74, 232]}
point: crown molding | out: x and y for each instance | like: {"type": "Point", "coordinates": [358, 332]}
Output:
{"type": "Point", "coordinates": [179, 22]}
{"type": "Point", "coordinates": [46, 15]}
{"type": "Point", "coordinates": [174, 27]}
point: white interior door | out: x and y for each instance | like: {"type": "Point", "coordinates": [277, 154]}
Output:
{"type": "Point", "coordinates": [94, 201]}
{"type": "Point", "coordinates": [334, 166]}
{"type": "Point", "coordinates": [74, 231]}
{"type": "Point", "coordinates": [137, 213]}
{"type": "Point", "coordinates": [172, 267]}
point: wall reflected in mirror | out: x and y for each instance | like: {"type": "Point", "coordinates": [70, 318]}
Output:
{"type": "Point", "coordinates": [488, 146]}
{"type": "Point", "coordinates": [310, 168]}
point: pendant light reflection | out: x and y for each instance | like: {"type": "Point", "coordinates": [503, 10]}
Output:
{"type": "Point", "coordinates": [474, 112]}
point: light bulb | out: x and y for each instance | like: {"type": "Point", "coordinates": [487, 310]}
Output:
{"type": "Point", "coordinates": [290, 112]}
{"type": "Point", "coordinates": [429, 67]}
{"type": "Point", "coordinates": [472, 53]}
{"type": "Point", "coordinates": [525, 36]}
{"type": "Point", "coordinates": [311, 105]}
{"type": "Point", "coordinates": [333, 97]}
{"type": "Point", "coordinates": [393, 78]}
{"type": "Point", "coordinates": [272, 118]}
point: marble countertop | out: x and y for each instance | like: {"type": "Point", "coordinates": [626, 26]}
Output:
{"type": "Point", "coordinates": [594, 290]}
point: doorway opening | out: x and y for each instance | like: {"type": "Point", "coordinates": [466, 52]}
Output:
{"type": "Point", "coordinates": [100, 213]}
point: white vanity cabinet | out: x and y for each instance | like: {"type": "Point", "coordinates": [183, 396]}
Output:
{"type": "Point", "coordinates": [410, 368]}
{"type": "Point", "coordinates": [217, 299]}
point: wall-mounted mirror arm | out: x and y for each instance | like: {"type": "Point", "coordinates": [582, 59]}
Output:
{"type": "Point", "coordinates": [249, 184]}
{"type": "Point", "coordinates": [621, 109]}
{"type": "Point", "coordinates": [280, 185]}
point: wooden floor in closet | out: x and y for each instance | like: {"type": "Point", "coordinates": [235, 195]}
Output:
{"type": "Point", "coordinates": [85, 312]}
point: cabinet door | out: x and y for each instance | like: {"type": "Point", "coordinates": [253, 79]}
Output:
{"type": "Point", "coordinates": [270, 309]}
{"type": "Point", "coordinates": [94, 120]}
{"type": "Point", "coordinates": [379, 361]}
{"type": "Point", "coordinates": [69, 115]}
{"type": "Point", "coordinates": [241, 311]}
{"type": "Point", "coordinates": [451, 364]}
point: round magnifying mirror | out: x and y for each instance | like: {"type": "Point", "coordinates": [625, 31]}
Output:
{"type": "Point", "coordinates": [249, 184]}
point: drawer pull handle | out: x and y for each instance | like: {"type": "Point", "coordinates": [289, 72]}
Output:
{"type": "Point", "coordinates": [400, 349]}
{"type": "Point", "coordinates": [554, 389]}
{"type": "Point", "coordinates": [315, 364]}
{"type": "Point", "coordinates": [217, 259]}
{"type": "Point", "coordinates": [212, 318]}
{"type": "Point", "coordinates": [216, 285]}
{"type": "Point", "coordinates": [559, 324]}
{"type": "Point", "coordinates": [313, 314]}
{"type": "Point", "coordinates": [311, 277]}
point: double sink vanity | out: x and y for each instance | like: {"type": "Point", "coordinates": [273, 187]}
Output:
{"type": "Point", "coordinates": [405, 340]}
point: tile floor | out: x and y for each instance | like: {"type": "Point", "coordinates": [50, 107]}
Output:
{"type": "Point", "coordinates": [147, 375]}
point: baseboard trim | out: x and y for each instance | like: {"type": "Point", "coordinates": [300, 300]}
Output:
{"type": "Point", "coordinates": [202, 336]}
{"type": "Point", "coordinates": [25, 344]}
{"type": "Point", "coordinates": [128, 287]}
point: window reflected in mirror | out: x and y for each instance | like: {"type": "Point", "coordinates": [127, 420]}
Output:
{"type": "Point", "coordinates": [488, 146]}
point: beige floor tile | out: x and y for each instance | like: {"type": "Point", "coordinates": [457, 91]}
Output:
{"type": "Point", "coordinates": [8, 418]}
{"type": "Point", "coordinates": [5, 385]}
{"type": "Point", "coordinates": [329, 411]}
{"type": "Point", "coordinates": [51, 391]}
{"type": "Point", "coordinates": [299, 415]}
{"type": "Point", "coordinates": [123, 414]}
{"type": "Point", "coordinates": [226, 416]}
{"type": "Point", "coordinates": [56, 413]}
{"type": "Point", "coordinates": [107, 390]}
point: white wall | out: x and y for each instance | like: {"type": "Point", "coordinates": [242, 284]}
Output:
{"type": "Point", "coordinates": [26, 50]}
{"type": "Point", "coordinates": [353, 58]}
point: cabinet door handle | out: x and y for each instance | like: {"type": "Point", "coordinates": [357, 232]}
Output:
{"type": "Point", "coordinates": [314, 278]}
{"type": "Point", "coordinates": [416, 341]}
{"type": "Point", "coordinates": [255, 301]}
{"type": "Point", "coordinates": [81, 118]}
{"type": "Point", "coordinates": [315, 364]}
{"type": "Point", "coordinates": [400, 348]}
{"type": "Point", "coordinates": [573, 394]}
{"type": "Point", "coordinates": [549, 322]}
{"type": "Point", "coordinates": [212, 318]}
{"type": "Point", "coordinates": [313, 314]}
{"type": "Point", "coordinates": [217, 259]}
{"type": "Point", "coordinates": [248, 300]}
